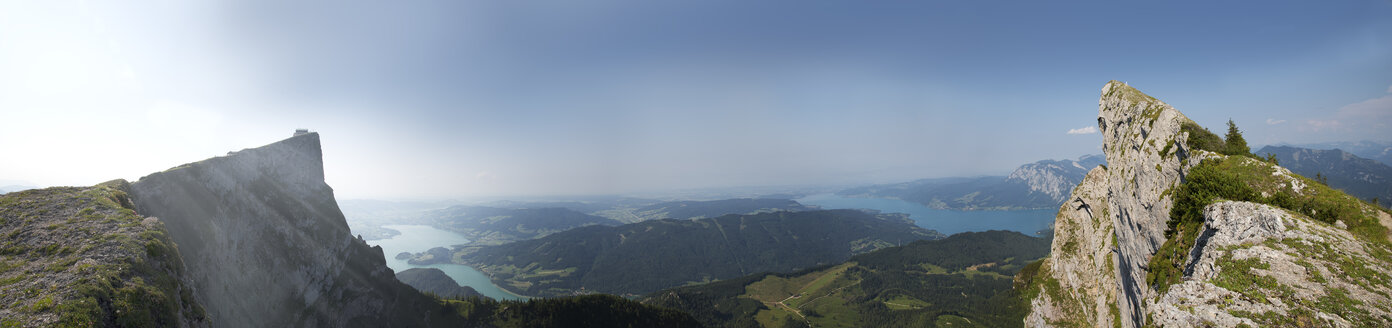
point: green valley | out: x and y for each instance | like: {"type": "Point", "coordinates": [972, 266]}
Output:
{"type": "Point", "coordinates": [644, 257]}
{"type": "Point", "coordinates": [963, 280]}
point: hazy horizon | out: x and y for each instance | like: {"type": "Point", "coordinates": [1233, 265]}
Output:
{"type": "Point", "coordinates": [459, 99]}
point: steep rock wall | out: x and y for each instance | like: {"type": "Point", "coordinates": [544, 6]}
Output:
{"type": "Point", "coordinates": [267, 245]}
{"type": "Point", "coordinates": [1147, 156]}
{"type": "Point", "coordinates": [1082, 267]}
{"type": "Point", "coordinates": [1250, 264]}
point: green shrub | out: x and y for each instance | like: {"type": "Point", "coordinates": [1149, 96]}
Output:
{"type": "Point", "coordinates": [1205, 184]}
{"type": "Point", "coordinates": [1201, 138]}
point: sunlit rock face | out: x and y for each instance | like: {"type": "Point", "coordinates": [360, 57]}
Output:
{"type": "Point", "coordinates": [1135, 130]}
{"type": "Point", "coordinates": [267, 246]}
{"type": "Point", "coordinates": [1146, 156]}
{"type": "Point", "coordinates": [1083, 265]}
{"type": "Point", "coordinates": [1250, 264]}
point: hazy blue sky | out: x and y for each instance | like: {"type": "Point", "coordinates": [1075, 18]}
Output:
{"type": "Point", "coordinates": [463, 98]}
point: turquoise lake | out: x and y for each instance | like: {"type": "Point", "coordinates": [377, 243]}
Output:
{"type": "Point", "coordinates": [948, 222]}
{"type": "Point", "coordinates": [419, 238]}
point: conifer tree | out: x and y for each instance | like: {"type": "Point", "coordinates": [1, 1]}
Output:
{"type": "Point", "coordinates": [1236, 145]}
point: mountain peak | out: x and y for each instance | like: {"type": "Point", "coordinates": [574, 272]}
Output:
{"type": "Point", "coordinates": [269, 211]}
{"type": "Point", "coordinates": [1147, 154]}
{"type": "Point", "coordinates": [1118, 229]}
{"type": "Point", "coordinates": [299, 158]}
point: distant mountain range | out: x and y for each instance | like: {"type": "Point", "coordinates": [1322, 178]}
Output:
{"type": "Point", "coordinates": [1378, 151]}
{"type": "Point", "coordinates": [686, 210]}
{"type": "Point", "coordinates": [1361, 177]}
{"type": "Point", "coordinates": [1039, 185]}
{"type": "Point", "coordinates": [492, 225]}
{"type": "Point", "coordinates": [643, 257]}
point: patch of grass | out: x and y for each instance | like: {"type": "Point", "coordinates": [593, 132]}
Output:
{"type": "Point", "coordinates": [82, 312]}
{"type": "Point", "coordinates": [1356, 269]}
{"type": "Point", "coordinates": [1239, 178]}
{"type": "Point", "coordinates": [12, 280]}
{"type": "Point", "coordinates": [63, 264]}
{"type": "Point", "coordinates": [1128, 93]}
{"type": "Point", "coordinates": [1315, 274]}
{"type": "Point", "coordinates": [42, 304]}
{"type": "Point", "coordinates": [904, 302]}
{"type": "Point", "coordinates": [1237, 276]}
{"type": "Point", "coordinates": [1337, 301]}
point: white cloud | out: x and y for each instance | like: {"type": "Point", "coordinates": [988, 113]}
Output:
{"type": "Point", "coordinates": [1319, 125]}
{"type": "Point", "coordinates": [486, 176]}
{"type": "Point", "coordinates": [1272, 121]}
{"type": "Point", "coordinates": [1361, 120]}
{"type": "Point", "coordinates": [1083, 130]}
{"type": "Point", "coordinates": [1389, 89]}
{"type": "Point", "coordinates": [1376, 110]}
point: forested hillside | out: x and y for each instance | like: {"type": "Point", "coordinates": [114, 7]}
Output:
{"type": "Point", "coordinates": [647, 256]}
{"type": "Point", "coordinates": [492, 225]}
{"type": "Point", "coordinates": [963, 280]}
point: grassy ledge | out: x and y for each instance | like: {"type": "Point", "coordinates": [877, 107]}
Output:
{"type": "Point", "coordinates": [1240, 178]}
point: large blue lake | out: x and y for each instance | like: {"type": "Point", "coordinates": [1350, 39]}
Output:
{"type": "Point", "coordinates": [945, 221]}
{"type": "Point", "coordinates": [419, 238]}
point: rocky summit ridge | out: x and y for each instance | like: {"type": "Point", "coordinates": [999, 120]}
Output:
{"type": "Point", "coordinates": [251, 239]}
{"type": "Point", "coordinates": [1251, 263]}
{"type": "Point", "coordinates": [267, 246]}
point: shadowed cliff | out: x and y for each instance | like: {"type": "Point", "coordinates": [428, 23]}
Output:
{"type": "Point", "coordinates": [267, 246]}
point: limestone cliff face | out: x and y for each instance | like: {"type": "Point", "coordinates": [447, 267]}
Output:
{"type": "Point", "coordinates": [1082, 265]}
{"type": "Point", "coordinates": [267, 246]}
{"type": "Point", "coordinates": [1147, 156]}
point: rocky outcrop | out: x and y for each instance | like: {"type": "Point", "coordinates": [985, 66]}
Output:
{"type": "Point", "coordinates": [1257, 262]}
{"type": "Point", "coordinates": [82, 257]}
{"type": "Point", "coordinates": [1250, 264]}
{"type": "Point", "coordinates": [267, 246]}
{"type": "Point", "coordinates": [1081, 272]}
{"type": "Point", "coordinates": [1147, 155]}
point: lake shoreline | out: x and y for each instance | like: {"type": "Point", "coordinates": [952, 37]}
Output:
{"type": "Point", "coordinates": [946, 221]}
{"type": "Point", "coordinates": [419, 238]}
